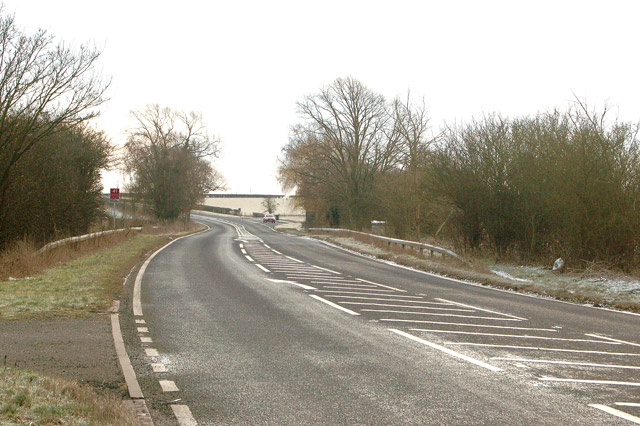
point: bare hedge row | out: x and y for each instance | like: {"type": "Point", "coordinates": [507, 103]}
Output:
{"type": "Point", "coordinates": [562, 183]}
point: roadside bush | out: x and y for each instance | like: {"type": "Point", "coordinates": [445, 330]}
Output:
{"type": "Point", "coordinates": [558, 184]}
{"type": "Point", "coordinates": [56, 187]}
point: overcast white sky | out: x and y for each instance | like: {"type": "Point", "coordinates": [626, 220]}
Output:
{"type": "Point", "coordinates": [244, 64]}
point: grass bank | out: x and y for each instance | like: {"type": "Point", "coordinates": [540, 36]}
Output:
{"type": "Point", "coordinates": [595, 288]}
{"type": "Point", "coordinates": [28, 398]}
{"type": "Point", "coordinates": [75, 281]}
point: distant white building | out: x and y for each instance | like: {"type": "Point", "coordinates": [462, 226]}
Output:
{"type": "Point", "coordinates": [250, 204]}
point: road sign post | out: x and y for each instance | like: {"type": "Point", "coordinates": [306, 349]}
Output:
{"type": "Point", "coordinates": [114, 195]}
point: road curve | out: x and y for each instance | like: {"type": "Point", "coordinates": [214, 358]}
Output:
{"type": "Point", "coordinates": [244, 325]}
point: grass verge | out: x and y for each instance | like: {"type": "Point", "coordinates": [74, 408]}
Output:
{"type": "Point", "coordinates": [28, 398]}
{"type": "Point", "coordinates": [573, 287]}
{"type": "Point", "coordinates": [86, 284]}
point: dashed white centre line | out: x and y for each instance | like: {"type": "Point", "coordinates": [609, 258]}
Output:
{"type": "Point", "coordinates": [151, 352]}
{"type": "Point", "coordinates": [159, 368]}
{"type": "Point", "coordinates": [143, 329]}
{"type": "Point", "coordinates": [184, 416]}
{"type": "Point", "coordinates": [168, 386]}
{"type": "Point", "coordinates": [249, 258]}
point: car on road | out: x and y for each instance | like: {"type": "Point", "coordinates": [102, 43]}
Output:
{"type": "Point", "coordinates": [269, 218]}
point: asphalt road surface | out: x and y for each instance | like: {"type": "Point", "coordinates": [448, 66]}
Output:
{"type": "Point", "coordinates": [242, 325]}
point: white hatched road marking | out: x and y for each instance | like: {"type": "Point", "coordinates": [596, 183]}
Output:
{"type": "Point", "coordinates": [440, 315]}
{"type": "Point", "coordinates": [328, 270]}
{"type": "Point", "coordinates": [338, 288]}
{"type": "Point", "coordinates": [262, 267]}
{"type": "Point", "coordinates": [446, 350]}
{"type": "Point", "coordinates": [515, 336]}
{"type": "Point", "coordinates": [613, 340]}
{"type": "Point", "coordinates": [481, 309]}
{"type": "Point", "coordinates": [306, 287]}
{"type": "Point", "coordinates": [589, 382]}
{"type": "Point", "coordinates": [580, 364]}
{"type": "Point", "coordinates": [382, 285]}
{"type": "Point", "coordinates": [357, 290]}
{"type": "Point", "coordinates": [350, 312]}
{"type": "Point", "coordinates": [376, 294]}
{"type": "Point", "coordinates": [349, 286]}
{"type": "Point", "coordinates": [464, 325]}
{"type": "Point", "coordinates": [183, 414]}
{"type": "Point", "coordinates": [617, 413]}
{"type": "Point", "coordinates": [534, 348]}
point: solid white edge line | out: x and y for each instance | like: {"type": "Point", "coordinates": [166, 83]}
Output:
{"type": "Point", "coordinates": [481, 309]}
{"type": "Point", "coordinates": [262, 267]}
{"type": "Point", "coordinates": [306, 287]}
{"type": "Point", "coordinates": [627, 404]}
{"type": "Point", "coordinates": [589, 382]}
{"type": "Point", "coordinates": [616, 413]}
{"type": "Point", "coordinates": [446, 350]}
{"type": "Point", "coordinates": [350, 312]}
{"type": "Point", "coordinates": [137, 305]}
{"type": "Point", "coordinates": [183, 415]}
{"type": "Point", "coordinates": [613, 340]}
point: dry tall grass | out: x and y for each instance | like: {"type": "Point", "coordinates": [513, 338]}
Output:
{"type": "Point", "coordinates": [28, 398]}
{"type": "Point", "coordinates": [23, 260]}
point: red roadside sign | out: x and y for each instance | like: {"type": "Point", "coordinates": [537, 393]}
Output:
{"type": "Point", "coordinates": [115, 195]}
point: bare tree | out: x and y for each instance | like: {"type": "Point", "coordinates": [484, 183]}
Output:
{"type": "Point", "coordinates": [44, 87]}
{"type": "Point", "coordinates": [407, 206]}
{"type": "Point", "coordinates": [168, 154]}
{"type": "Point", "coordinates": [270, 204]}
{"type": "Point", "coordinates": [349, 131]}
